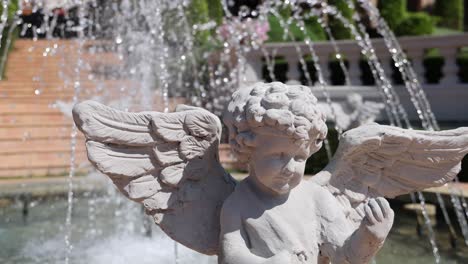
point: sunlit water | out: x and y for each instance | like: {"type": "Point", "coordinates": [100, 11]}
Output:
{"type": "Point", "coordinates": [111, 230]}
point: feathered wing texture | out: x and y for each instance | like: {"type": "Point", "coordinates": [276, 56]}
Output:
{"type": "Point", "coordinates": [166, 161]}
{"type": "Point", "coordinates": [375, 160]}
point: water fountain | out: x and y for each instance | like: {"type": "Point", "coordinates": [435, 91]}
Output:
{"type": "Point", "coordinates": [157, 48]}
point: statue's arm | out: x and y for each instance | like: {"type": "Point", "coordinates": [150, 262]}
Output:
{"type": "Point", "coordinates": [233, 241]}
{"type": "Point", "coordinates": [367, 240]}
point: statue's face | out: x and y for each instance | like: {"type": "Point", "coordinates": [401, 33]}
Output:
{"type": "Point", "coordinates": [278, 163]}
{"type": "Point", "coordinates": [355, 100]}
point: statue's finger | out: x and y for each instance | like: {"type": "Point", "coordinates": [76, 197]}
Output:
{"type": "Point", "coordinates": [376, 210]}
{"type": "Point", "coordinates": [370, 215]}
{"type": "Point", "coordinates": [385, 206]}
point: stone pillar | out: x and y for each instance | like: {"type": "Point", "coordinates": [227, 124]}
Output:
{"type": "Point", "coordinates": [450, 68]}
{"type": "Point", "coordinates": [253, 69]}
{"type": "Point", "coordinates": [293, 68]}
{"type": "Point", "coordinates": [385, 61]}
{"type": "Point", "coordinates": [354, 70]}
{"type": "Point", "coordinates": [323, 62]}
{"type": "Point", "coordinates": [417, 57]}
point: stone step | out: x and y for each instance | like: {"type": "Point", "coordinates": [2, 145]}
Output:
{"type": "Point", "coordinates": [34, 135]}
{"type": "Point", "coordinates": [11, 120]}
{"type": "Point", "coordinates": [51, 145]}
{"type": "Point", "coordinates": [13, 107]}
{"type": "Point", "coordinates": [15, 134]}
{"type": "Point", "coordinates": [40, 172]}
{"type": "Point", "coordinates": [39, 160]}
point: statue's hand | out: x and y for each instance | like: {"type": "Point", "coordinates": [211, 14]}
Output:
{"type": "Point", "coordinates": [301, 256]}
{"type": "Point", "coordinates": [296, 256]}
{"type": "Point", "coordinates": [379, 218]}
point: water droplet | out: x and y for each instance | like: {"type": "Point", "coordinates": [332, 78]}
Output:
{"type": "Point", "coordinates": [118, 40]}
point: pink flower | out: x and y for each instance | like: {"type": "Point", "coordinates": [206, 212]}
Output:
{"type": "Point", "coordinates": [250, 31]}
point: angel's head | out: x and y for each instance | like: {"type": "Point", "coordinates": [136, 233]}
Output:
{"type": "Point", "coordinates": [275, 128]}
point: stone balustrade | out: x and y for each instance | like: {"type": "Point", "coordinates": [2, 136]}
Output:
{"type": "Point", "coordinates": [448, 95]}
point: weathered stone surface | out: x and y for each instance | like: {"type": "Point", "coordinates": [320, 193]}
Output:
{"type": "Point", "coordinates": [353, 112]}
{"type": "Point", "coordinates": [273, 216]}
{"type": "Point", "coordinates": [151, 156]}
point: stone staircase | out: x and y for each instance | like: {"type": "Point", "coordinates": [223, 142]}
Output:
{"type": "Point", "coordinates": [35, 135]}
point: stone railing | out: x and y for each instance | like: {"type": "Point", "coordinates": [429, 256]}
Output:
{"type": "Point", "coordinates": [448, 96]}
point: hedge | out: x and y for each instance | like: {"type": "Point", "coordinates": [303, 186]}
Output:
{"type": "Point", "coordinates": [198, 13]}
{"type": "Point", "coordinates": [314, 31]}
{"type": "Point", "coordinates": [415, 24]}
{"type": "Point", "coordinates": [462, 62]}
{"type": "Point", "coordinates": [12, 9]}
{"type": "Point", "coordinates": [280, 71]}
{"type": "Point", "coordinates": [433, 63]}
{"type": "Point", "coordinates": [215, 11]}
{"type": "Point", "coordinates": [451, 13]}
{"type": "Point", "coordinates": [393, 11]}
{"type": "Point", "coordinates": [319, 160]}
{"type": "Point", "coordinates": [338, 30]}
{"type": "Point", "coordinates": [337, 76]}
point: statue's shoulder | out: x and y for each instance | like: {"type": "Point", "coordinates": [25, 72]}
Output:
{"type": "Point", "coordinates": [320, 194]}
{"type": "Point", "coordinates": [315, 187]}
{"type": "Point", "coordinates": [237, 199]}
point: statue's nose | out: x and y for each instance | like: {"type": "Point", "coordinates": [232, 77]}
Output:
{"type": "Point", "coordinates": [289, 166]}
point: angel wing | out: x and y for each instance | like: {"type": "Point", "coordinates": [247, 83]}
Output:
{"type": "Point", "coordinates": [166, 161]}
{"type": "Point", "coordinates": [367, 113]}
{"type": "Point", "coordinates": [374, 161]}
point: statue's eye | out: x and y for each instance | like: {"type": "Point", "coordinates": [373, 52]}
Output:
{"type": "Point", "coordinates": [300, 159]}
{"type": "Point", "coordinates": [318, 141]}
{"type": "Point", "coordinates": [279, 155]}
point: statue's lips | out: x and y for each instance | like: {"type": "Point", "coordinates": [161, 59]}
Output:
{"type": "Point", "coordinates": [284, 177]}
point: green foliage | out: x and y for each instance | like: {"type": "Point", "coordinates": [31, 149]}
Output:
{"type": "Point", "coordinates": [3, 44]}
{"type": "Point", "coordinates": [450, 13]}
{"type": "Point", "coordinates": [433, 69]}
{"type": "Point", "coordinates": [338, 30]}
{"type": "Point", "coordinates": [366, 73]}
{"type": "Point", "coordinates": [311, 69]}
{"type": "Point", "coordinates": [463, 175]}
{"type": "Point", "coordinates": [280, 71]}
{"type": "Point", "coordinates": [337, 76]}
{"type": "Point", "coordinates": [393, 11]}
{"type": "Point", "coordinates": [416, 24]}
{"type": "Point", "coordinates": [433, 63]}
{"type": "Point", "coordinates": [319, 160]}
{"type": "Point", "coordinates": [313, 29]}
{"type": "Point", "coordinates": [12, 8]}
{"type": "Point", "coordinates": [198, 13]}
{"type": "Point", "coordinates": [462, 62]}
{"type": "Point", "coordinates": [215, 10]}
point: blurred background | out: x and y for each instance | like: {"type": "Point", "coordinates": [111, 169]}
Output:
{"type": "Point", "coordinates": [396, 62]}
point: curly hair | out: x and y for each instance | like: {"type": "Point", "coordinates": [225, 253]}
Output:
{"type": "Point", "coordinates": [272, 108]}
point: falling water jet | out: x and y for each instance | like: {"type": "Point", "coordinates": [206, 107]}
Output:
{"type": "Point", "coordinates": [419, 99]}
{"type": "Point", "coordinates": [12, 28]}
{"type": "Point", "coordinates": [346, 23]}
{"type": "Point", "coordinates": [73, 141]}
{"type": "Point", "coordinates": [322, 83]}
{"type": "Point", "coordinates": [4, 17]}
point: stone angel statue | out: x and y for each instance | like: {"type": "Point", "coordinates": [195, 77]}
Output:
{"type": "Point", "coordinates": [353, 112]}
{"type": "Point", "coordinates": [169, 163]}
